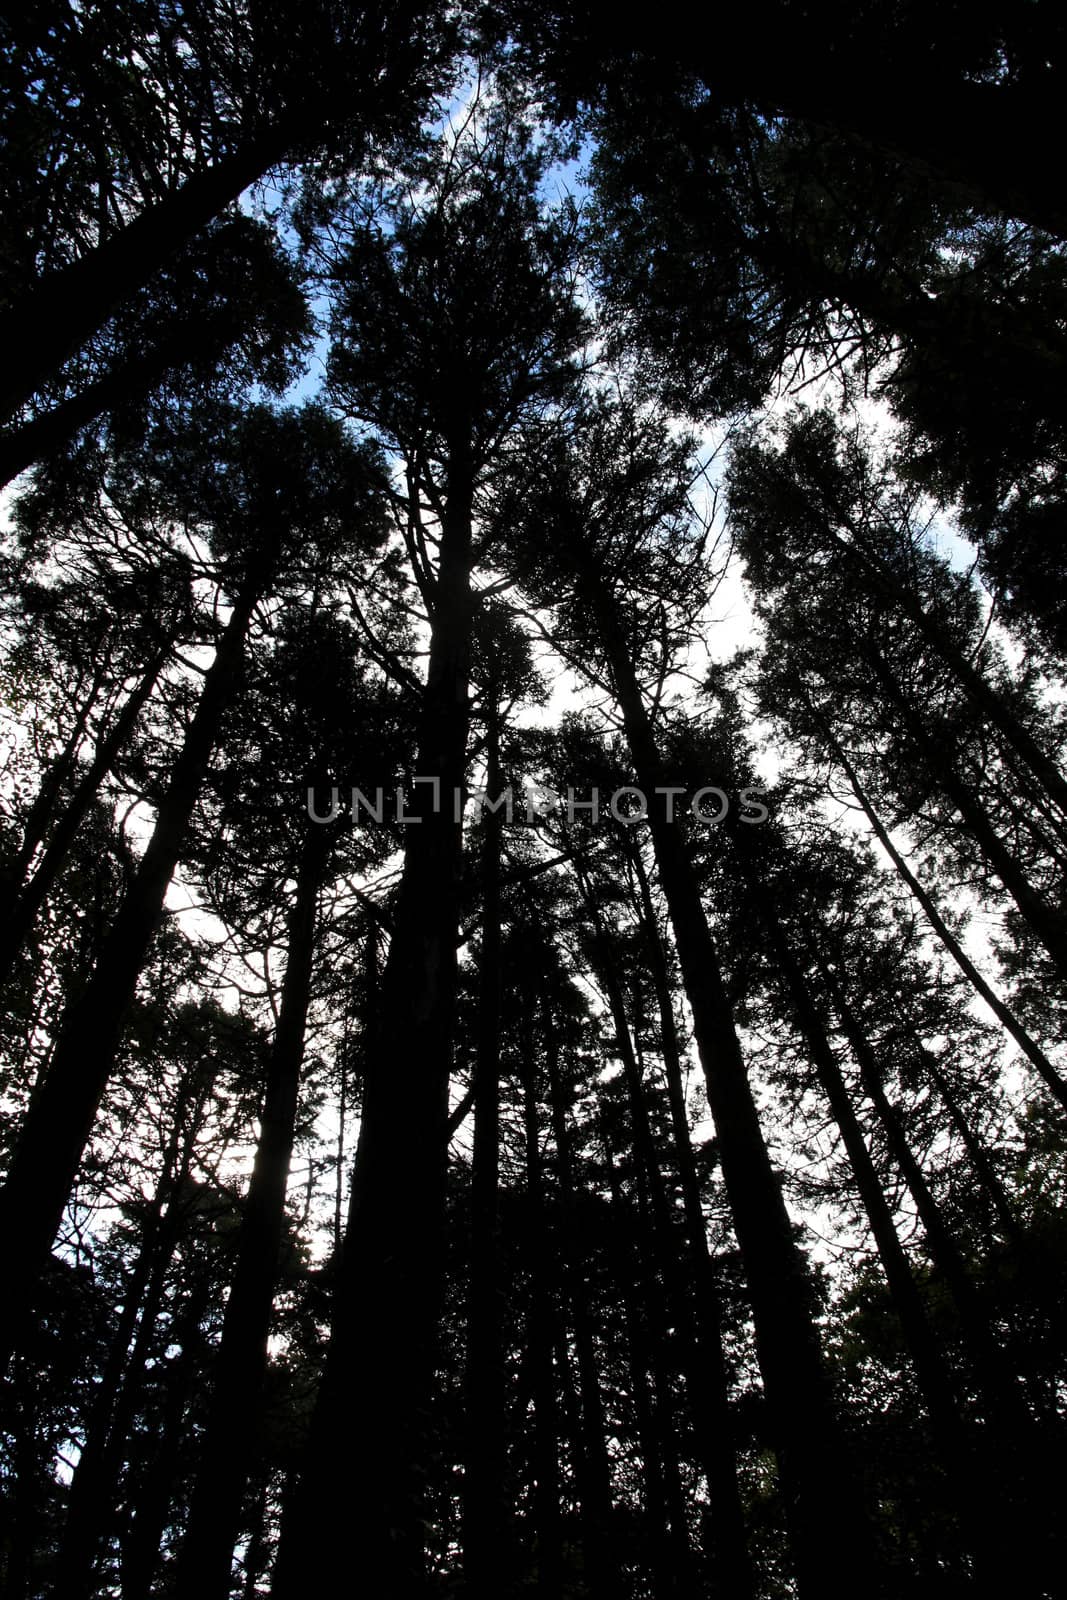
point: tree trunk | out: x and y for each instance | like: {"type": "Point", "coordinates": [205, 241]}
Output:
{"type": "Point", "coordinates": [19, 922]}
{"type": "Point", "coordinates": [42, 810]}
{"type": "Point", "coordinates": [241, 1362]}
{"type": "Point", "coordinates": [488, 1557]}
{"type": "Point", "coordinates": [53, 320]}
{"type": "Point", "coordinates": [967, 1476]}
{"type": "Point", "coordinates": [59, 1122]}
{"type": "Point", "coordinates": [377, 1387]}
{"type": "Point", "coordinates": [1047, 1072]}
{"type": "Point", "coordinates": [114, 1402]}
{"type": "Point", "coordinates": [979, 1159]}
{"type": "Point", "coordinates": [1023, 1483]}
{"type": "Point", "coordinates": [704, 1362]}
{"type": "Point", "coordinates": [728, 1540]}
{"type": "Point", "coordinates": [593, 1463]}
{"type": "Point", "coordinates": [152, 1485]}
{"type": "Point", "coordinates": [540, 1327]}
{"type": "Point", "coordinates": [975, 686]}
{"type": "Point", "coordinates": [658, 1535]}
{"type": "Point", "coordinates": [1047, 923]}
{"type": "Point", "coordinates": [829, 1533]}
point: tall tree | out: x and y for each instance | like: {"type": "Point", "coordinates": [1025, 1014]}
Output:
{"type": "Point", "coordinates": [452, 326]}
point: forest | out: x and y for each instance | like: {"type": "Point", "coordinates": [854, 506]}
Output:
{"type": "Point", "coordinates": [533, 822]}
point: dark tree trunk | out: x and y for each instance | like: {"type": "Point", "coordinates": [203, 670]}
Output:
{"type": "Point", "coordinates": [257, 1552]}
{"type": "Point", "coordinates": [150, 1487]}
{"type": "Point", "coordinates": [967, 1475]}
{"type": "Point", "coordinates": [728, 1540]}
{"type": "Point", "coordinates": [976, 1151]}
{"type": "Point", "coordinates": [487, 1543]}
{"type": "Point", "coordinates": [1024, 1485]}
{"type": "Point", "coordinates": [241, 1362]}
{"type": "Point", "coordinates": [59, 1122]}
{"type": "Point", "coordinates": [704, 1367]}
{"type": "Point", "coordinates": [21, 1513]}
{"type": "Point", "coordinates": [657, 1529]}
{"type": "Point", "coordinates": [23, 913]}
{"type": "Point", "coordinates": [656, 1303]}
{"type": "Point", "coordinates": [90, 1510]}
{"type": "Point", "coordinates": [540, 1324]}
{"type": "Point", "coordinates": [1046, 922]}
{"type": "Point", "coordinates": [43, 809]}
{"type": "Point", "coordinates": [593, 1463]}
{"type": "Point", "coordinates": [60, 314]}
{"type": "Point", "coordinates": [388, 1291]}
{"type": "Point", "coordinates": [1047, 1072]}
{"type": "Point", "coordinates": [829, 1532]}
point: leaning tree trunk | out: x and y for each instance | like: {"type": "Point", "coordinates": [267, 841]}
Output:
{"type": "Point", "coordinates": [694, 1313]}
{"type": "Point", "coordinates": [151, 1483]}
{"type": "Point", "coordinates": [91, 1494]}
{"type": "Point", "coordinates": [53, 320]}
{"type": "Point", "coordinates": [60, 1119]}
{"type": "Point", "coordinates": [658, 1533]}
{"type": "Point", "coordinates": [1024, 1482]}
{"type": "Point", "coordinates": [1037, 1057]}
{"type": "Point", "coordinates": [19, 921]}
{"type": "Point", "coordinates": [1046, 921]}
{"type": "Point", "coordinates": [968, 1468]}
{"type": "Point", "coordinates": [43, 808]}
{"type": "Point", "coordinates": [241, 1361]}
{"type": "Point", "coordinates": [829, 1532]}
{"type": "Point", "coordinates": [977, 1153]}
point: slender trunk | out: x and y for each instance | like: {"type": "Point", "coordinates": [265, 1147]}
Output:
{"type": "Point", "coordinates": [53, 320]}
{"type": "Point", "coordinates": [1037, 1057]}
{"type": "Point", "coordinates": [656, 1525]}
{"type": "Point", "coordinates": [967, 1475]}
{"type": "Point", "coordinates": [935, 1381]}
{"type": "Point", "coordinates": [59, 1123]}
{"type": "Point", "coordinates": [1024, 1484]}
{"type": "Point", "coordinates": [594, 1465]}
{"type": "Point", "coordinates": [728, 1540]}
{"type": "Point", "coordinates": [830, 1536]}
{"type": "Point", "coordinates": [540, 1327]}
{"type": "Point", "coordinates": [153, 1485]}
{"type": "Point", "coordinates": [89, 1502]}
{"type": "Point", "coordinates": [1046, 923]}
{"type": "Point", "coordinates": [942, 1246]}
{"type": "Point", "coordinates": [979, 1159]}
{"type": "Point", "coordinates": [42, 810]}
{"type": "Point", "coordinates": [257, 1551]}
{"type": "Point", "coordinates": [392, 1257]}
{"type": "Point", "coordinates": [19, 922]}
{"type": "Point", "coordinates": [708, 1398]}
{"type": "Point", "coordinates": [487, 1553]}
{"type": "Point", "coordinates": [241, 1361]}
{"type": "Point", "coordinates": [653, 1269]}
{"type": "Point", "coordinates": [21, 1513]}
